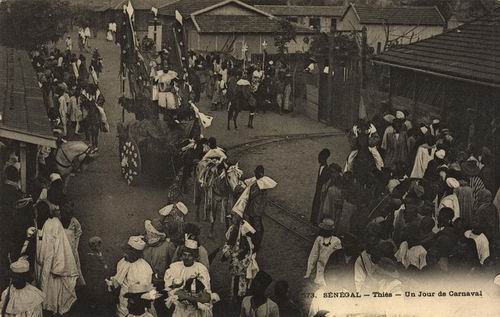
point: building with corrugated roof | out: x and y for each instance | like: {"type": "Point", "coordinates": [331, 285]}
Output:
{"type": "Point", "coordinates": [24, 124]}
{"type": "Point", "coordinates": [389, 26]}
{"type": "Point", "coordinates": [228, 26]}
{"type": "Point", "coordinates": [454, 75]}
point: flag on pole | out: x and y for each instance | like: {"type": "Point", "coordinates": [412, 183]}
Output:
{"type": "Point", "coordinates": [130, 9]}
{"type": "Point", "coordinates": [180, 44]}
{"type": "Point", "coordinates": [132, 65]}
{"type": "Point", "coordinates": [178, 17]}
{"type": "Point", "coordinates": [155, 11]}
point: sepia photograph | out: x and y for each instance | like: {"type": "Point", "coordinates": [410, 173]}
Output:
{"type": "Point", "coordinates": [249, 158]}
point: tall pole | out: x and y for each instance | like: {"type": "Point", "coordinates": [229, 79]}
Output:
{"type": "Point", "coordinates": [331, 58]}
{"type": "Point", "coordinates": [155, 23]}
{"type": "Point", "coordinates": [264, 46]}
{"type": "Point", "coordinates": [123, 94]}
{"type": "Point", "coordinates": [363, 57]}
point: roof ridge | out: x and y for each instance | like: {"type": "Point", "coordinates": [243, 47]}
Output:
{"type": "Point", "coordinates": [394, 7]}
{"type": "Point", "coordinates": [168, 4]}
{"type": "Point", "coordinates": [297, 6]}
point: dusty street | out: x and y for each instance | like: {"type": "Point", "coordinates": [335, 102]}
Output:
{"type": "Point", "coordinates": [109, 208]}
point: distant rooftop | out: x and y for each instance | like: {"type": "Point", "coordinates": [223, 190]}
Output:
{"type": "Point", "coordinates": [399, 15]}
{"type": "Point", "coordinates": [241, 24]}
{"type": "Point", "coordinates": [186, 7]}
{"type": "Point", "coordinates": [470, 52]}
{"type": "Point", "coordinates": [284, 10]}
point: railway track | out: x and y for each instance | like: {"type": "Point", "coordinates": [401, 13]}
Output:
{"type": "Point", "coordinates": [282, 215]}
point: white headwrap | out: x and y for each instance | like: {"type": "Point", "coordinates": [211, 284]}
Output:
{"type": "Point", "coordinates": [452, 182]}
{"type": "Point", "coordinates": [440, 154]}
{"type": "Point", "coordinates": [137, 243]}
{"type": "Point", "coordinates": [165, 211]}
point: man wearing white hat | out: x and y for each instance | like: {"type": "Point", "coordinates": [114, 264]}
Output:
{"type": "Point", "coordinates": [131, 269]}
{"type": "Point", "coordinates": [178, 274]}
{"type": "Point", "coordinates": [239, 250]}
{"type": "Point", "coordinates": [21, 299]}
{"type": "Point", "coordinates": [173, 221]}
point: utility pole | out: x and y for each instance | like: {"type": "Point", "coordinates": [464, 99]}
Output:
{"type": "Point", "coordinates": [363, 57]}
{"type": "Point", "coordinates": [331, 58]}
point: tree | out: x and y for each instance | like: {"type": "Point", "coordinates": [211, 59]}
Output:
{"type": "Point", "coordinates": [82, 16]}
{"type": "Point", "coordinates": [347, 45]}
{"type": "Point", "coordinates": [27, 23]}
{"type": "Point", "coordinates": [286, 34]}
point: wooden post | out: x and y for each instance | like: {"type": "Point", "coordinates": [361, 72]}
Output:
{"type": "Point", "coordinates": [22, 158]}
{"type": "Point", "coordinates": [123, 92]}
{"type": "Point", "coordinates": [155, 30]}
{"type": "Point", "coordinates": [363, 57]}
{"type": "Point", "coordinates": [331, 58]}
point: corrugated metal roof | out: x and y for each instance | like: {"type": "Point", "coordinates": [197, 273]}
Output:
{"type": "Point", "coordinates": [186, 7]}
{"type": "Point", "coordinates": [470, 51]}
{"type": "Point", "coordinates": [284, 10]}
{"type": "Point", "coordinates": [399, 15]}
{"type": "Point", "coordinates": [241, 24]}
{"type": "Point", "coordinates": [21, 101]}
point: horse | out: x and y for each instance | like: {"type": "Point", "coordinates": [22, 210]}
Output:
{"type": "Point", "coordinates": [218, 184]}
{"type": "Point", "coordinates": [71, 157]}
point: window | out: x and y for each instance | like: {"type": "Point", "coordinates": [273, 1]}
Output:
{"type": "Point", "coordinates": [333, 23]}
{"type": "Point", "coordinates": [379, 47]}
{"type": "Point", "coordinates": [293, 19]}
{"type": "Point", "coordinates": [315, 23]}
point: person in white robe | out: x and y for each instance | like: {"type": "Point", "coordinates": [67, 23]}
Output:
{"type": "Point", "coordinates": [21, 299]}
{"type": "Point", "coordinates": [363, 272]}
{"type": "Point", "coordinates": [55, 269]}
{"type": "Point", "coordinates": [131, 269]}
{"type": "Point", "coordinates": [425, 153]}
{"type": "Point", "coordinates": [324, 246]}
{"type": "Point", "coordinates": [482, 245]}
{"type": "Point", "coordinates": [186, 303]}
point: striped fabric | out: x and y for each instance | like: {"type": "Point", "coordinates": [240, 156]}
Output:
{"type": "Point", "coordinates": [476, 183]}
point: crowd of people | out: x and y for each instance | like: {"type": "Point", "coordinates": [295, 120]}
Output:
{"type": "Point", "coordinates": [411, 202]}
{"type": "Point", "coordinates": [228, 84]}
{"type": "Point", "coordinates": [165, 271]}
{"type": "Point", "coordinates": [71, 93]}
{"type": "Point", "coordinates": [41, 235]}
